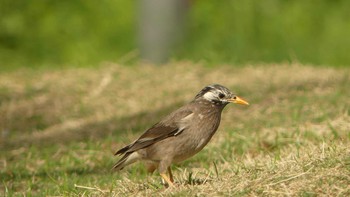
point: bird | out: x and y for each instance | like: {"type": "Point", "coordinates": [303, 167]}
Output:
{"type": "Point", "coordinates": [181, 134]}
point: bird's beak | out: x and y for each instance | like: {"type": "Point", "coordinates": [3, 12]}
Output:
{"type": "Point", "coordinates": [237, 100]}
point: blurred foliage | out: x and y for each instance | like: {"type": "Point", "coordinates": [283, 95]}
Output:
{"type": "Point", "coordinates": [315, 31]}
{"type": "Point", "coordinates": [65, 32]}
{"type": "Point", "coordinates": [46, 32]}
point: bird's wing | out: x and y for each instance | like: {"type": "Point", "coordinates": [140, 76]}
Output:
{"type": "Point", "coordinates": [172, 125]}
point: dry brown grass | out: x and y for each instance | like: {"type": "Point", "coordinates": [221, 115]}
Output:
{"type": "Point", "coordinates": [292, 140]}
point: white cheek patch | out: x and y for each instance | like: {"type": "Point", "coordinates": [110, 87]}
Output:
{"type": "Point", "coordinates": [209, 96]}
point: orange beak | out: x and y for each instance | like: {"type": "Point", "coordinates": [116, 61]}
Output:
{"type": "Point", "coordinates": [237, 100]}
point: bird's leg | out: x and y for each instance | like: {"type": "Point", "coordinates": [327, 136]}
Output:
{"type": "Point", "coordinates": [167, 179]}
{"type": "Point", "coordinates": [170, 174]}
{"type": "Point", "coordinates": [163, 167]}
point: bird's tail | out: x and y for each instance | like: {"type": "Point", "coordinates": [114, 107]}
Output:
{"type": "Point", "coordinates": [127, 159]}
{"type": "Point", "coordinates": [123, 150]}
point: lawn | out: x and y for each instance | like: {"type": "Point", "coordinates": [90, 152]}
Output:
{"type": "Point", "coordinates": [60, 128]}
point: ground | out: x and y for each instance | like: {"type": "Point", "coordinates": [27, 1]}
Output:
{"type": "Point", "coordinates": [60, 128]}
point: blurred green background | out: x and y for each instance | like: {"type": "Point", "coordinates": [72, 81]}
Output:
{"type": "Point", "coordinates": [45, 33]}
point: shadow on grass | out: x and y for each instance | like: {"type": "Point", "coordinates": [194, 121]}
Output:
{"type": "Point", "coordinates": [115, 127]}
{"type": "Point", "coordinates": [13, 175]}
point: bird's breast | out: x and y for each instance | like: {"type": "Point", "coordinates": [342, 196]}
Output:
{"type": "Point", "coordinates": [202, 132]}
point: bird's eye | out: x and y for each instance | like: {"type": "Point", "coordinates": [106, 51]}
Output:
{"type": "Point", "coordinates": [221, 95]}
{"type": "Point", "coordinates": [235, 97]}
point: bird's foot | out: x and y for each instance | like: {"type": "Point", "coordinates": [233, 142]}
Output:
{"type": "Point", "coordinates": [167, 180]}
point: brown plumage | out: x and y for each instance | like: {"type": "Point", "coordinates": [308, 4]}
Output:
{"type": "Point", "coordinates": [181, 134]}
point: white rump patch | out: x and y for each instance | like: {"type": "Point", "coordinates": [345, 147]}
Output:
{"type": "Point", "coordinates": [132, 158]}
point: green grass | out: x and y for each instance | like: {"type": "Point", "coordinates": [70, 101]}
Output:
{"type": "Point", "coordinates": [60, 128]}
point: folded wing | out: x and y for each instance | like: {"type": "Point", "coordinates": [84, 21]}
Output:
{"type": "Point", "coordinates": [164, 129]}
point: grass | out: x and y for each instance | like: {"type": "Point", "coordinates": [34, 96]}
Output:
{"type": "Point", "coordinates": [59, 129]}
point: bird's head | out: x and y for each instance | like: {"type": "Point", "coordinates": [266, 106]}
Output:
{"type": "Point", "coordinates": [219, 95]}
